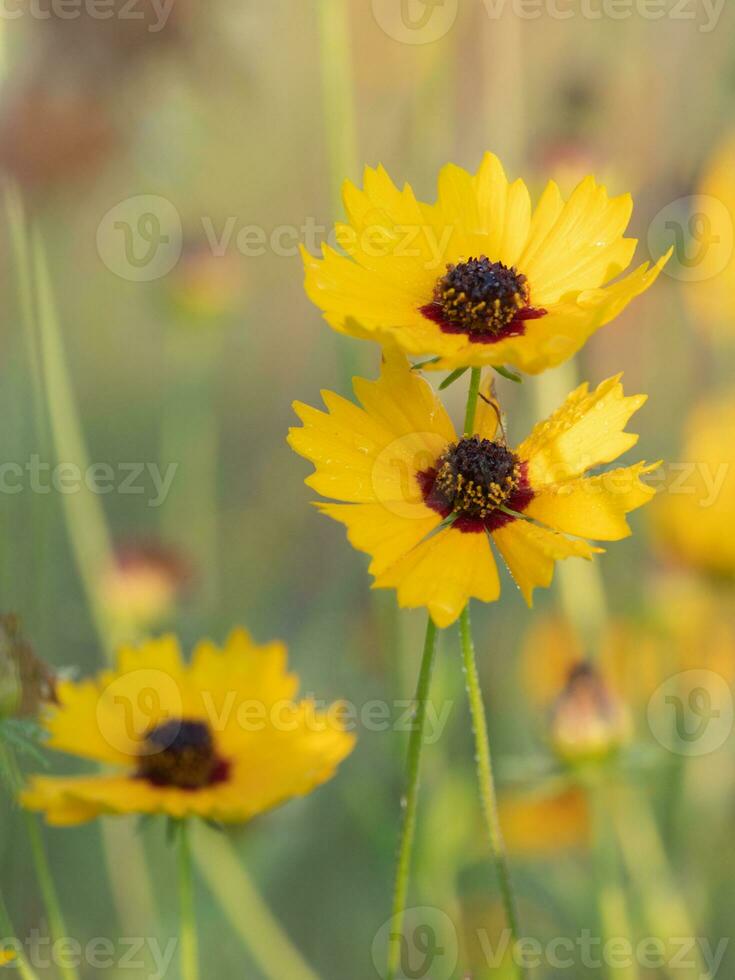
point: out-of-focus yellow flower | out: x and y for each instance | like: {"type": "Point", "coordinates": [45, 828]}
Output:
{"type": "Point", "coordinates": [687, 628]}
{"type": "Point", "coordinates": [7, 956]}
{"type": "Point", "coordinates": [694, 516]}
{"type": "Point", "coordinates": [425, 503]}
{"type": "Point", "coordinates": [711, 297]}
{"type": "Point", "coordinates": [479, 277]}
{"type": "Point", "coordinates": [695, 627]}
{"type": "Point", "coordinates": [552, 650]}
{"type": "Point", "coordinates": [543, 822]}
{"type": "Point", "coordinates": [221, 738]}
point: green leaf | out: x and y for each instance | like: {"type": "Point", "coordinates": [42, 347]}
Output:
{"type": "Point", "coordinates": [505, 372]}
{"type": "Point", "coordinates": [25, 737]}
{"type": "Point", "coordinates": [451, 378]}
{"type": "Point", "coordinates": [422, 364]}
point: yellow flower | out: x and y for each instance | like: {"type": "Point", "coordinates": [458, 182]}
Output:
{"type": "Point", "coordinates": [479, 277]}
{"type": "Point", "coordinates": [710, 289]}
{"type": "Point", "coordinates": [542, 822]}
{"type": "Point", "coordinates": [7, 956]}
{"type": "Point", "coordinates": [425, 503]}
{"type": "Point", "coordinates": [686, 628]}
{"type": "Point", "coordinates": [630, 659]}
{"type": "Point", "coordinates": [220, 739]}
{"type": "Point", "coordinates": [694, 520]}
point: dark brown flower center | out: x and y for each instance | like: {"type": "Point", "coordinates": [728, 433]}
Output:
{"type": "Point", "coordinates": [485, 300]}
{"type": "Point", "coordinates": [182, 754]}
{"type": "Point", "coordinates": [482, 484]}
{"type": "Point", "coordinates": [476, 476]}
{"type": "Point", "coordinates": [480, 296]}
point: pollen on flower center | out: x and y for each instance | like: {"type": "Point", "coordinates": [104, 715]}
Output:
{"type": "Point", "coordinates": [474, 477]}
{"type": "Point", "coordinates": [181, 754]}
{"type": "Point", "coordinates": [480, 297]}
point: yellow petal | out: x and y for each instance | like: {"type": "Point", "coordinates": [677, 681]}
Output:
{"type": "Point", "coordinates": [557, 336]}
{"type": "Point", "coordinates": [385, 535]}
{"type": "Point", "coordinates": [372, 454]}
{"type": "Point", "coordinates": [443, 573]}
{"type": "Point", "coordinates": [390, 232]}
{"type": "Point", "coordinates": [337, 284]}
{"type": "Point", "coordinates": [594, 507]}
{"type": "Point", "coordinates": [343, 444]}
{"type": "Point", "coordinates": [586, 431]}
{"type": "Point", "coordinates": [488, 216]}
{"type": "Point", "coordinates": [241, 665]}
{"type": "Point", "coordinates": [583, 248]}
{"type": "Point", "coordinates": [403, 401]}
{"type": "Point", "coordinates": [530, 553]}
{"type": "Point", "coordinates": [73, 726]}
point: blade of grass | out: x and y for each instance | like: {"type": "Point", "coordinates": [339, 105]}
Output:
{"type": "Point", "coordinates": [92, 547]}
{"type": "Point", "coordinates": [40, 512]}
{"type": "Point", "coordinates": [338, 99]}
{"type": "Point", "coordinates": [247, 913]}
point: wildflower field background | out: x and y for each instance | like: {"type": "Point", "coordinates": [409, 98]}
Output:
{"type": "Point", "coordinates": [159, 174]}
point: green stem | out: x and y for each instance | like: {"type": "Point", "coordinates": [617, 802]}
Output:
{"type": "Point", "coordinates": [472, 395]}
{"type": "Point", "coordinates": [52, 905]}
{"type": "Point", "coordinates": [410, 802]}
{"type": "Point", "coordinates": [6, 927]}
{"type": "Point", "coordinates": [338, 98]}
{"type": "Point", "coordinates": [188, 939]}
{"type": "Point", "coordinates": [485, 776]}
{"type": "Point", "coordinates": [92, 548]}
{"type": "Point", "coordinates": [49, 894]}
{"type": "Point", "coordinates": [247, 913]}
{"type": "Point", "coordinates": [612, 902]}
{"type": "Point", "coordinates": [87, 527]}
{"type": "Point", "coordinates": [647, 864]}
{"type": "Point", "coordinates": [483, 755]}
{"type": "Point", "coordinates": [340, 124]}
{"type": "Point", "coordinates": [190, 439]}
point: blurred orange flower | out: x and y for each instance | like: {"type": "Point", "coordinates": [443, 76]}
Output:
{"type": "Point", "coordinates": [537, 823]}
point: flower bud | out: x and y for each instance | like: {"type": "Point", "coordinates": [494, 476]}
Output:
{"type": "Point", "coordinates": [588, 722]}
{"type": "Point", "coordinates": [143, 583]}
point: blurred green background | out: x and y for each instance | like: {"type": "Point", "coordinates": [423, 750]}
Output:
{"type": "Point", "coordinates": [241, 115]}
